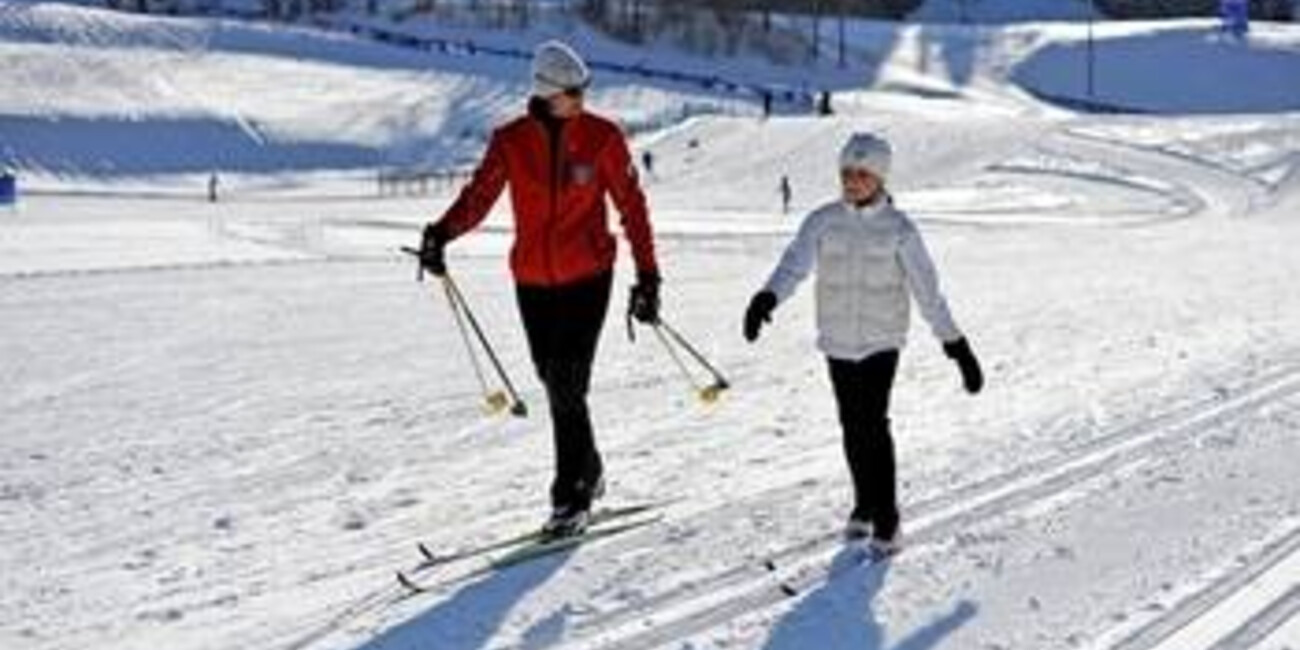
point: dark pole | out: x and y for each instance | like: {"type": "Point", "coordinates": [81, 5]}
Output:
{"type": "Point", "coordinates": [1092, 51]}
{"type": "Point", "coordinates": [817, 29]}
{"type": "Point", "coordinates": [636, 20]}
{"type": "Point", "coordinates": [839, 4]}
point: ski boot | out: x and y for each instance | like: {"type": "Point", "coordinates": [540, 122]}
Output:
{"type": "Point", "coordinates": [572, 520]}
{"type": "Point", "coordinates": [881, 548]}
{"type": "Point", "coordinates": [857, 530]}
{"type": "Point", "coordinates": [566, 521]}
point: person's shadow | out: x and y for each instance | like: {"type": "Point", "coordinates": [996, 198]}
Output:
{"type": "Point", "coordinates": [469, 619]}
{"type": "Point", "coordinates": [838, 615]}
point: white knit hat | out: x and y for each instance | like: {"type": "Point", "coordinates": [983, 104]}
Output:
{"type": "Point", "coordinates": [556, 67]}
{"type": "Point", "coordinates": [869, 152]}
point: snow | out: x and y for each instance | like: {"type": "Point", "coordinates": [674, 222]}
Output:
{"type": "Point", "coordinates": [226, 424]}
{"type": "Point", "coordinates": [1133, 71]}
{"type": "Point", "coordinates": [247, 98]}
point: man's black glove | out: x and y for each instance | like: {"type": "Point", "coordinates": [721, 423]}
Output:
{"type": "Point", "coordinates": [643, 302]}
{"type": "Point", "coordinates": [431, 249]}
{"type": "Point", "coordinates": [971, 375]}
{"type": "Point", "coordinates": [759, 312]}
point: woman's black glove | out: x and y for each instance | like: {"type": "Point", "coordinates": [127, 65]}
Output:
{"type": "Point", "coordinates": [643, 302]}
{"type": "Point", "coordinates": [759, 312]}
{"type": "Point", "coordinates": [971, 375]}
{"type": "Point", "coordinates": [431, 250]}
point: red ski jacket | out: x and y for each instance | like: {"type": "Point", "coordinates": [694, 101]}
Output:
{"type": "Point", "coordinates": [558, 196]}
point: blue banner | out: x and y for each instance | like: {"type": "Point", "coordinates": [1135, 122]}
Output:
{"type": "Point", "coordinates": [8, 188]}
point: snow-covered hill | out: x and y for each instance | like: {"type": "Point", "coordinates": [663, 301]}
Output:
{"type": "Point", "coordinates": [226, 425]}
{"type": "Point", "coordinates": [97, 93]}
{"type": "Point", "coordinates": [91, 94]}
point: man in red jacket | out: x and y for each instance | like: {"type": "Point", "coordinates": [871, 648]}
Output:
{"type": "Point", "coordinates": [561, 162]}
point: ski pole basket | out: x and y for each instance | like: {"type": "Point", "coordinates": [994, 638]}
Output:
{"type": "Point", "coordinates": [671, 340]}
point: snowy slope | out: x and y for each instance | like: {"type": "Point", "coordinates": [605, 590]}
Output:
{"type": "Point", "coordinates": [280, 441]}
{"type": "Point", "coordinates": [1179, 67]}
{"type": "Point", "coordinates": [113, 100]}
{"type": "Point", "coordinates": [92, 92]}
{"type": "Point", "coordinates": [225, 425]}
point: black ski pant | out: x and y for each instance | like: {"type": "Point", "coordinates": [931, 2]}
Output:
{"type": "Point", "coordinates": [563, 325]}
{"type": "Point", "coordinates": [862, 392]}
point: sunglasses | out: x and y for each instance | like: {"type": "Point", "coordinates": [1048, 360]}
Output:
{"type": "Point", "coordinates": [568, 91]}
{"type": "Point", "coordinates": [857, 174]}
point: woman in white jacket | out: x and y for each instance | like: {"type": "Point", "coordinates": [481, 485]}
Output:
{"type": "Point", "coordinates": [869, 257]}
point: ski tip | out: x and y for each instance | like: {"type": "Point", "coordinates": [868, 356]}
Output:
{"type": "Point", "coordinates": [409, 584]}
{"type": "Point", "coordinates": [425, 552]}
{"type": "Point", "coordinates": [789, 590]}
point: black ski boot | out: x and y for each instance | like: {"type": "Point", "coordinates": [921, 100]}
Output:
{"type": "Point", "coordinates": [572, 519]}
{"type": "Point", "coordinates": [567, 521]}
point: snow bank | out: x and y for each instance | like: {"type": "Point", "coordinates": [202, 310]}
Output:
{"type": "Point", "coordinates": [1180, 67]}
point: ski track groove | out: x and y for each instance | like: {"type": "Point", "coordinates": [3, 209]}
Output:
{"type": "Point", "coordinates": [382, 597]}
{"type": "Point", "coordinates": [1184, 200]}
{"type": "Point", "coordinates": [750, 588]}
{"type": "Point", "coordinates": [1193, 607]}
{"type": "Point", "coordinates": [1263, 624]}
{"type": "Point", "coordinates": [1220, 190]}
{"type": "Point", "coordinates": [812, 550]}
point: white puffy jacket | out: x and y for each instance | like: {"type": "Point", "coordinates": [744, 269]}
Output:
{"type": "Point", "coordinates": [867, 260]}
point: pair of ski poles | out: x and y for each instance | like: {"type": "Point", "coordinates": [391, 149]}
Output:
{"type": "Point", "coordinates": [494, 400]}
{"type": "Point", "coordinates": [498, 400]}
{"type": "Point", "coordinates": [669, 337]}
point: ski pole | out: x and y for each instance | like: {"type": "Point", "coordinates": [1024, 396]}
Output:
{"type": "Point", "coordinates": [711, 392]}
{"type": "Point", "coordinates": [517, 406]}
{"type": "Point", "coordinates": [496, 400]}
{"type": "Point", "coordinates": [704, 393]}
{"type": "Point", "coordinates": [671, 340]}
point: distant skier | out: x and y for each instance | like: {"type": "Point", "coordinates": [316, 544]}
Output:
{"type": "Point", "coordinates": [213, 186]}
{"type": "Point", "coordinates": [1235, 15]}
{"type": "Point", "coordinates": [869, 256]}
{"type": "Point", "coordinates": [648, 162]}
{"type": "Point", "coordinates": [561, 162]}
{"type": "Point", "coordinates": [824, 104]}
{"type": "Point", "coordinates": [787, 193]}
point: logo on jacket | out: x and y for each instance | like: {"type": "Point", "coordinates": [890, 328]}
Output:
{"type": "Point", "coordinates": [582, 174]}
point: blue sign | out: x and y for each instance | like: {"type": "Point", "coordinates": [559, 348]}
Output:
{"type": "Point", "coordinates": [8, 188]}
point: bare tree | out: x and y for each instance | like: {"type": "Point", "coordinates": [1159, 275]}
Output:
{"type": "Point", "coordinates": [839, 8]}
{"type": "Point", "coordinates": [816, 29]}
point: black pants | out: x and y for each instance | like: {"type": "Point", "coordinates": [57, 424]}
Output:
{"type": "Point", "coordinates": [862, 392]}
{"type": "Point", "coordinates": [563, 326]}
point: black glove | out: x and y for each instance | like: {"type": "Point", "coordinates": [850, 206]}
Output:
{"type": "Point", "coordinates": [643, 302]}
{"type": "Point", "coordinates": [971, 375]}
{"type": "Point", "coordinates": [431, 249]}
{"type": "Point", "coordinates": [759, 312]}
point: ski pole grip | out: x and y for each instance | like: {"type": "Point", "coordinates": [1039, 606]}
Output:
{"type": "Point", "coordinates": [419, 267]}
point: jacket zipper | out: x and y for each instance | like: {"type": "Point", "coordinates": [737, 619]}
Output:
{"type": "Point", "coordinates": [859, 270]}
{"type": "Point", "coordinates": [556, 138]}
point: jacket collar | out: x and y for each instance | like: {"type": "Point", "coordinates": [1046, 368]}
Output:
{"type": "Point", "coordinates": [540, 110]}
{"type": "Point", "coordinates": [873, 209]}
